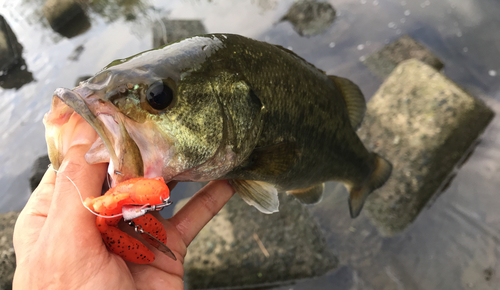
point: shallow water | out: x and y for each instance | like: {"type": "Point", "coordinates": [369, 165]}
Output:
{"type": "Point", "coordinates": [452, 245]}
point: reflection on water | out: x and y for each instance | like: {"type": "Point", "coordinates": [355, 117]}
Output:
{"type": "Point", "coordinates": [452, 245]}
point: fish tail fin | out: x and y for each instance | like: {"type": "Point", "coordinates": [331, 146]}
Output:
{"type": "Point", "coordinates": [358, 194]}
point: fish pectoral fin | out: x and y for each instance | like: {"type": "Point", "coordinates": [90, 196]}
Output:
{"type": "Point", "coordinates": [359, 194]}
{"type": "Point", "coordinates": [354, 99]}
{"type": "Point", "coordinates": [262, 195]}
{"type": "Point", "coordinates": [310, 195]}
{"type": "Point", "coordinates": [272, 160]}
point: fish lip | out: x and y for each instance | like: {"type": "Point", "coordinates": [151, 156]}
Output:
{"type": "Point", "coordinates": [81, 99]}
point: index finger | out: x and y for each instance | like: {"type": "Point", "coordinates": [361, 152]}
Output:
{"type": "Point", "coordinates": [201, 208]}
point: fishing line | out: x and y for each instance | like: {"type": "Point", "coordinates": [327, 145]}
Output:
{"type": "Point", "coordinates": [81, 198]}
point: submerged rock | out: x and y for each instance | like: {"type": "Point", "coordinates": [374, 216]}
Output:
{"type": "Point", "coordinates": [167, 31]}
{"type": "Point", "coordinates": [425, 125]}
{"type": "Point", "coordinates": [7, 255]}
{"type": "Point", "coordinates": [310, 17]}
{"type": "Point", "coordinates": [66, 17]}
{"type": "Point", "coordinates": [243, 247]}
{"type": "Point", "coordinates": [384, 61]}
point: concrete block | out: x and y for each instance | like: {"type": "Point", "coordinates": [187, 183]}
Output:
{"type": "Point", "coordinates": [426, 126]}
{"type": "Point", "coordinates": [242, 247]}
{"type": "Point", "coordinates": [383, 62]}
{"type": "Point", "coordinates": [66, 17]}
{"type": "Point", "coordinates": [167, 31]}
{"type": "Point", "coordinates": [310, 17]}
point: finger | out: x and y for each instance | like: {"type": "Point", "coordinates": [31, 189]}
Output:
{"type": "Point", "coordinates": [32, 217]}
{"type": "Point", "coordinates": [201, 208]}
{"type": "Point", "coordinates": [76, 181]}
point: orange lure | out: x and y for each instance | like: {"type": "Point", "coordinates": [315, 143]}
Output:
{"type": "Point", "coordinates": [132, 199]}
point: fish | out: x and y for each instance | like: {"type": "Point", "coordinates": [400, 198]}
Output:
{"type": "Point", "coordinates": [224, 106]}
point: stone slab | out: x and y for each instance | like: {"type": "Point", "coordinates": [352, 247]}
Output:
{"type": "Point", "coordinates": [426, 126]}
{"type": "Point", "coordinates": [226, 253]}
{"type": "Point", "coordinates": [167, 31]}
{"type": "Point", "coordinates": [384, 61]}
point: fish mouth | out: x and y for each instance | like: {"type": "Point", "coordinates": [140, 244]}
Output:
{"type": "Point", "coordinates": [114, 146]}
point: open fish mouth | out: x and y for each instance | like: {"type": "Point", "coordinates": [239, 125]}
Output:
{"type": "Point", "coordinates": [114, 145]}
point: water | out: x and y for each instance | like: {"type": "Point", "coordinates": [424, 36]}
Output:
{"type": "Point", "coordinates": [452, 245]}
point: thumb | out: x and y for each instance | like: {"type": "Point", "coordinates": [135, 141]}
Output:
{"type": "Point", "coordinates": [77, 180]}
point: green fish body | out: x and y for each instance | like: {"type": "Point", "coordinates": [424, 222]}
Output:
{"type": "Point", "coordinates": [224, 106]}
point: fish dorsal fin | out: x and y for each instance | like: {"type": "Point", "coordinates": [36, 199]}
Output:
{"type": "Point", "coordinates": [262, 195]}
{"type": "Point", "coordinates": [310, 195]}
{"type": "Point", "coordinates": [354, 99]}
{"type": "Point", "coordinates": [272, 160]}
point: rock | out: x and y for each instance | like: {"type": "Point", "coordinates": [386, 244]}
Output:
{"type": "Point", "coordinates": [310, 17]}
{"type": "Point", "coordinates": [10, 49]}
{"type": "Point", "coordinates": [38, 170]}
{"type": "Point", "coordinates": [243, 247]}
{"type": "Point", "coordinates": [426, 126]}
{"type": "Point", "coordinates": [383, 62]}
{"type": "Point", "coordinates": [7, 256]}
{"type": "Point", "coordinates": [67, 17]}
{"type": "Point", "coordinates": [167, 31]}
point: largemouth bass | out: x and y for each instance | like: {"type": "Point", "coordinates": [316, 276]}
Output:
{"type": "Point", "coordinates": [224, 106]}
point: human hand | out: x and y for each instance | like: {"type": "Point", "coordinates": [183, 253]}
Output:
{"type": "Point", "coordinates": [58, 246]}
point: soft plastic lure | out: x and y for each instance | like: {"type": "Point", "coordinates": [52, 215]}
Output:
{"type": "Point", "coordinates": [132, 200]}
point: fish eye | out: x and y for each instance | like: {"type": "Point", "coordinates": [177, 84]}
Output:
{"type": "Point", "coordinates": [159, 95]}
